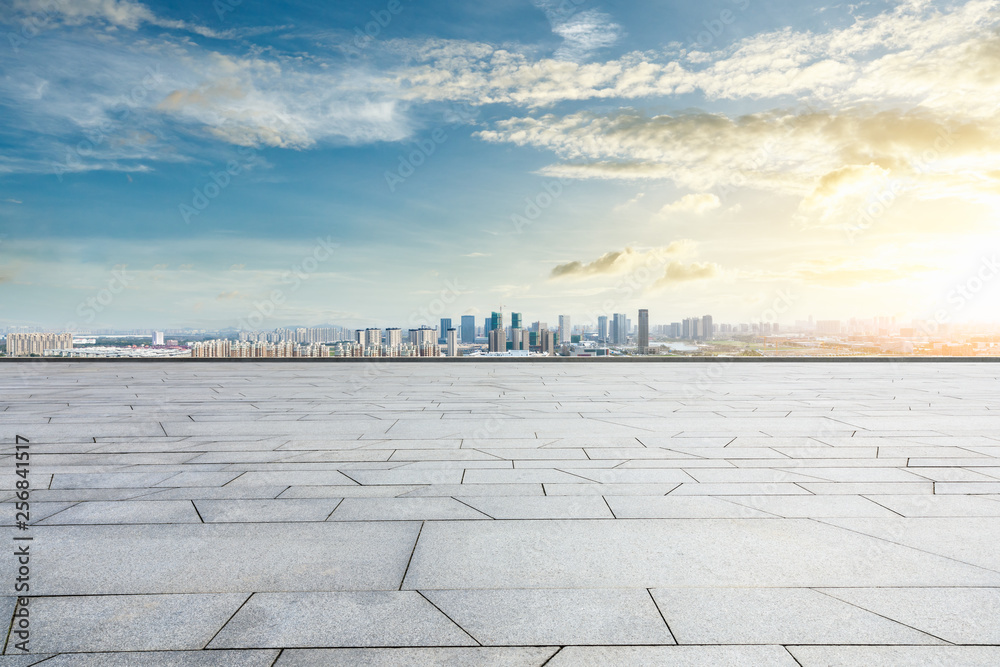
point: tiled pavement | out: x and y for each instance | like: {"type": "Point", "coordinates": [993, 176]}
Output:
{"type": "Point", "coordinates": [507, 513]}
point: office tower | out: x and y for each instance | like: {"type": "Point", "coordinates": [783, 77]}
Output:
{"type": "Point", "coordinates": [393, 338]}
{"type": "Point", "coordinates": [468, 329]}
{"type": "Point", "coordinates": [602, 329]}
{"type": "Point", "coordinates": [525, 339]}
{"type": "Point", "coordinates": [697, 328]}
{"type": "Point", "coordinates": [157, 338]}
{"type": "Point", "coordinates": [643, 331]}
{"type": "Point", "coordinates": [498, 340]}
{"type": "Point", "coordinates": [565, 329]}
{"type": "Point", "coordinates": [486, 327]}
{"type": "Point", "coordinates": [707, 328]}
{"type": "Point", "coordinates": [496, 321]}
{"type": "Point", "coordinates": [443, 331]}
{"type": "Point", "coordinates": [546, 341]}
{"type": "Point", "coordinates": [675, 329]}
{"type": "Point", "coordinates": [515, 320]}
{"type": "Point", "coordinates": [515, 338]}
{"type": "Point", "coordinates": [619, 332]}
{"type": "Point", "coordinates": [451, 336]}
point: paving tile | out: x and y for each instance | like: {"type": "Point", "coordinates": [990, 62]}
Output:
{"type": "Point", "coordinates": [256, 511]}
{"type": "Point", "coordinates": [957, 615]}
{"type": "Point", "coordinates": [815, 506]}
{"type": "Point", "coordinates": [673, 507]}
{"type": "Point", "coordinates": [537, 617]}
{"type": "Point", "coordinates": [675, 656]}
{"type": "Point", "coordinates": [391, 657]}
{"type": "Point", "coordinates": [185, 558]}
{"type": "Point", "coordinates": [775, 616]}
{"type": "Point", "coordinates": [249, 658]}
{"type": "Point", "coordinates": [896, 656]}
{"type": "Point", "coordinates": [404, 509]}
{"type": "Point", "coordinates": [125, 512]}
{"type": "Point", "coordinates": [648, 553]}
{"type": "Point", "coordinates": [939, 506]}
{"type": "Point", "coordinates": [348, 619]}
{"type": "Point", "coordinates": [128, 622]}
{"type": "Point", "coordinates": [541, 507]}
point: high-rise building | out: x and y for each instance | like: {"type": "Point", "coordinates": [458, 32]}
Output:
{"type": "Point", "coordinates": [443, 331]}
{"type": "Point", "coordinates": [498, 340]}
{"type": "Point", "coordinates": [707, 328]}
{"type": "Point", "coordinates": [546, 341]}
{"type": "Point", "coordinates": [643, 331]}
{"type": "Point", "coordinates": [393, 338]}
{"type": "Point", "coordinates": [619, 329]}
{"type": "Point", "coordinates": [451, 336]}
{"type": "Point", "coordinates": [26, 344]}
{"type": "Point", "coordinates": [565, 329]}
{"type": "Point", "coordinates": [602, 329]}
{"type": "Point", "coordinates": [515, 321]}
{"type": "Point", "coordinates": [468, 329]}
{"type": "Point", "coordinates": [157, 338]}
{"type": "Point", "coordinates": [515, 338]}
{"type": "Point", "coordinates": [496, 321]}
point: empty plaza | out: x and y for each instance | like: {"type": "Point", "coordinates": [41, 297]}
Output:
{"type": "Point", "coordinates": [504, 513]}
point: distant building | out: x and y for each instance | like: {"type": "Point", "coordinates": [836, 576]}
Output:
{"type": "Point", "coordinates": [643, 331]}
{"type": "Point", "coordinates": [451, 336]}
{"type": "Point", "coordinates": [157, 338]}
{"type": "Point", "coordinates": [619, 329]}
{"type": "Point", "coordinates": [26, 344]}
{"type": "Point", "coordinates": [468, 329]}
{"type": "Point", "coordinates": [602, 329]}
{"type": "Point", "coordinates": [565, 328]}
{"type": "Point", "coordinates": [443, 331]}
{"type": "Point", "coordinates": [828, 327]}
{"type": "Point", "coordinates": [394, 338]}
{"type": "Point", "coordinates": [707, 328]}
{"type": "Point", "coordinates": [515, 321]}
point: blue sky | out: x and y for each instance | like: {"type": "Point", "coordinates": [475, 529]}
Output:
{"type": "Point", "coordinates": [567, 156]}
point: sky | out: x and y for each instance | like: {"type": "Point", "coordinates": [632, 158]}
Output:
{"type": "Point", "coordinates": [242, 163]}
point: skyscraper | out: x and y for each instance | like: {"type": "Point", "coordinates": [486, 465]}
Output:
{"type": "Point", "coordinates": [565, 329]}
{"type": "Point", "coordinates": [515, 320]}
{"type": "Point", "coordinates": [602, 329]}
{"type": "Point", "coordinates": [496, 321]}
{"type": "Point", "coordinates": [707, 328]}
{"type": "Point", "coordinates": [643, 331]}
{"type": "Point", "coordinates": [468, 329]}
{"type": "Point", "coordinates": [443, 331]}
{"type": "Point", "coordinates": [619, 329]}
{"type": "Point", "coordinates": [451, 336]}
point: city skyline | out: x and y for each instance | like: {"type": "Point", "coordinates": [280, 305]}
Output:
{"type": "Point", "coordinates": [362, 160]}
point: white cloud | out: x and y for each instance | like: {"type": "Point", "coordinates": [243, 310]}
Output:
{"type": "Point", "coordinates": [699, 204]}
{"type": "Point", "coordinates": [582, 31]}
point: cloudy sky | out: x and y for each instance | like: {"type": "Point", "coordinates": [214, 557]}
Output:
{"type": "Point", "coordinates": [389, 162]}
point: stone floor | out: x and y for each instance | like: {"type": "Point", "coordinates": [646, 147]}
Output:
{"type": "Point", "coordinates": [506, 513]}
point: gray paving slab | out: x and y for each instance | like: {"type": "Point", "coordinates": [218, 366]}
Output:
{"type": "Point", "coordinates": [648, 553]}
{"type": "Point", "coordinates": [404, 509]}
{"type": "Point", "coordinates": [265, 511]}
{"type": "Point", "coordinates": [675, 656]}
{"type": "Point", "coordinates": [247, 658]}
{"type": "Point", "coordinates": [775, 616]}
{"type": "Point", "coordinates": [541, 507]}
{"type": "Point", "coordinates": [546, 616]}
{"type": "Point", "coordinates": [125, 512]}
{"type": "Point", "coordinates": [128, 622]}
{"type": "Point", "coordinates": [896, 656]}
{"type": "Point", "coordinates": [341, 619]}
{"type": "Point", "coordinates": [186, 558]}
{"type": "Point", "coordinates": [417, 657]}
{"type": "Point", "coordinates": [957, 615]}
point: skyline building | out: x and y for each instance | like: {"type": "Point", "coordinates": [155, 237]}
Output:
{"type": "Point", "coordinates": [644, 331]}
{"type": "Point", "coordinates": [602, 329]}
{"type": "Point", "coordinates": [565, 329]}
{"type": "Point", "coordinates": [451, 336]}
{"type": "Point", "coordinates": [515, 320]}
{"type": "Point", "coordinates": [443, 331]}
{"type": "Point", "coordinates": [468, 329]}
